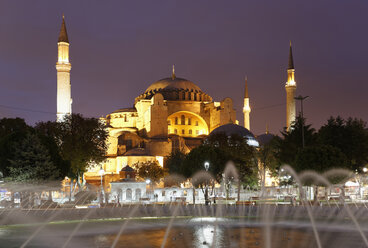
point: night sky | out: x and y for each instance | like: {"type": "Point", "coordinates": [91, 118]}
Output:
{"type": "Point", "coordinates": [118, 48]}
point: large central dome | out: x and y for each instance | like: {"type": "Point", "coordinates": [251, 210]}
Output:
{"type": "Point", "coordinates": [175, 89]}
{"type": "Point", "coordinates": [173, 84]}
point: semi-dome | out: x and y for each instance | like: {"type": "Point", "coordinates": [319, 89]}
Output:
{"type": "Point", "coordinates": [234, 129]}
{"type": "Point", "coordinates": [175, 89]}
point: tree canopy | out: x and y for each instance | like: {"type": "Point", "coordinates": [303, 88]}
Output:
{"type": "Point", "coordinates": [81, 141]}
{"type": "Point", "coordinates": [350, 137]}
{"type": "Point", "coordinates": [149, 170]}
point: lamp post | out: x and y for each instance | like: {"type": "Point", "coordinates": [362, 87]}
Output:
{"type": "Point", "coordinates": [206, 167]}
{"type": "Point", "coordinates": [102, 173]}
{"type": "Point", "coordinates": [301, 99]}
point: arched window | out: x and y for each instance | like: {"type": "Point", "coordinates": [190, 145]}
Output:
{"type": "Point", "coordinates": [189, 121]}
{"type": "Point", "coordinates": [176, 131]}
{"type": "Point", "coordinates": [190, 131]}
{"type": "Point", "coordinates": [128, 194]}
{"type": "Point", "coordinates": [182, 120]}
{"type": "Point", "coordinates": [176, 120]}
{"type": "Point", "coordinates": [137, 194]}
{"type": "Point", "coordinates": [182, 131]}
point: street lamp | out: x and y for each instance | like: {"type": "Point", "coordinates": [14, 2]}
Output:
{"type": "Point", "coordinates": [206, 167]}
{"type": "Point", "coordinates": [301, 99]}
{"type": "Point", "coordinates": [102, 173]}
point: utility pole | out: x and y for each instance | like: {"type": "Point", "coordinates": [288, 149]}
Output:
{"type": "Point", "coordinates": [301, 99]}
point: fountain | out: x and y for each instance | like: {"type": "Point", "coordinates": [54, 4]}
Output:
{"type": "Point", "coordinates": [249, 223]}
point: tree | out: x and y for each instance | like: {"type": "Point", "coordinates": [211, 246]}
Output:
{"type": "Point", "coordinates": [33, 163]}
{"type": "Point", "coordinates": [320, 158]}
{"type": "Point", "coordinates": [194, 163]}
{"type": "Point", "coordinates": [174, 162]}
{"type": "Point", "coordinates": [81, 142]}
{"type": "Point", "coordinates": [12, 132]}
{"type": "Point", "coordinates": [149, 170]}
{"type": "Point", "coordinates": [350, 137]}
{"type": "Point", "coordinates": [267, 156]}
{"type": "Point", "coordinates": [291, 141]}
{"type": "Point", "coordinates": [48, 133]}
{"type": "Point", "coordinates": [237, 150]}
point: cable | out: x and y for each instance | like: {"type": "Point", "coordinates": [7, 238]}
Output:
{"type": "Point", "coordinates": [27, 110]}
{"type": "Point", "coordinates": [270, 106]}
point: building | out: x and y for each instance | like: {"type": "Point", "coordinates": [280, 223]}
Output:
{"type": "Point", "coordinates": [171, 114]}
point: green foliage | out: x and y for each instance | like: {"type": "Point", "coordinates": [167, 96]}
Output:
{"type": "Point", "coordinates": [267, 156]}
{"type": "Point", "coordinates": [194, 161]}
{"type": "Point", "coordinates": [174, 162]}
{"type": "Point", "coordinates": [291, 141]}
{"type": "Point", "coordinates": [20, 146]}
{"type": "Point", "coordinates": [149, 170]}
{"type": "Point", "coordinates": [32, 163]}
{"type": "Point", "coordinates": [319, 158]}
{"type": "Point", "coordinates": [12, 132]}
{"type": "Point", "coordinates": [219, 149]}
{"type": "Point", "coordinates": [350, 137]}
{"type": "Point", "coordinates": [81, 142]}
{"type": "Point", "coordinates": [47, 131]}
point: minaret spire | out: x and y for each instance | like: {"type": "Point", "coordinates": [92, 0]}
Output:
{"type": "Point", "coordinates": [246, 108]}
{"type": "Point", "coordinates": [173, 73]}
{"type": "Point", "coordinates": [290, 88]}
{"type": "Point", "coordinates": [63, 36]}
{"type": "Point", "coordinates": [246, 87]}
{"type": "Point", "coordinates": [291, 61]}
{"type": "Point", "coordinates": [63, 67]}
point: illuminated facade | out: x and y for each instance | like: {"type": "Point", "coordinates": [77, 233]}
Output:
{"type": "Point", "coordinates": [63, 67]}
{"type": "Point", "coordinates": [290, 87]}
{"type": "Point", "coordinates": [171, 114]}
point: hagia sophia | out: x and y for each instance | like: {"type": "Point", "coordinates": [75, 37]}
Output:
{"type": "Point", "coordinates": [173, 113]}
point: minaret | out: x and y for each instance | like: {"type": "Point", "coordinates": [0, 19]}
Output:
{"type": "Point", "coordinates": [290, 87]}
{"type": "Point", "coordinates": [246, 108]}
{"type": "Point", "coordinates": [63, 67]}
{"type": "Point", "coordinates": [173, 73]}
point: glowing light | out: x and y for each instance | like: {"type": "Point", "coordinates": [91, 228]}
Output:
{"type": "Point", "coordinates": [291, 83]}
{"type": "Point", "coordinates": [160, 160]}
{"type": "Point", "coordinates": [252, 142]}
{"type": "Point", "coordinates": [101, 172]}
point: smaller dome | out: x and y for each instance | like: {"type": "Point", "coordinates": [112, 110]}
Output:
{"type": "Point", "coordinates": [127, 169]}
{"type": "Point", "coordinates": [265, 138]}
{"type": "Point", "coordinates": [233, 129]}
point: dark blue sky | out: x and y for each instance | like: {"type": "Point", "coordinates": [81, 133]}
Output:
{"type": "Point", "coordinates": [118, 48]}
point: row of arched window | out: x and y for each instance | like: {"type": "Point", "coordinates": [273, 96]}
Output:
{"type": "Point", "coordinates": [182, 121]}
{"type": "Point", "coordinates": [190, 131]}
